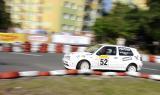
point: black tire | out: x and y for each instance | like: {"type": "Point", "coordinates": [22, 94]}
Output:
{"type": "Point", "coordinates": [131, 66]}
{"type": "Point", "coordinates": [81, 63]}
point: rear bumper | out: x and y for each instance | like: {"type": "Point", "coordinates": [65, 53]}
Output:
{"type": "Point", "coordinates": [140, 66]}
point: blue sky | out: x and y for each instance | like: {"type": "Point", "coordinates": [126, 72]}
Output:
{"type": "Point", "coordinates": [107, 5]}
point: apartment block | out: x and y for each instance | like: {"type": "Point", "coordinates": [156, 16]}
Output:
{"type": "Point", "coordinates": [50, 15]}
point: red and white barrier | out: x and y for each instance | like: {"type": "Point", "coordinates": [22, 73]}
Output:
{"type": "Point", "coordinates": [35, 47]}
{"type": "Point", "coordinates": [67, 49]}
{"type": "Point", "coordinates": [151, 58]}
{"type": "Point", "coordinates": [1, 48]}
{"type": "Point", "coordinates": [51, 48]}
{"type": "Point", "coordinates": [9, 75]}
{"type": "Point", "coordinates": [12, 75]}
{"type": "Point", "coordinates": [58, 48]}
{"type": "Point", "coordinates": [42, 48]}
{"type": "Point", "coordinates": [17, 47]}
{"type": "Point", "coordinates": [29, 73]}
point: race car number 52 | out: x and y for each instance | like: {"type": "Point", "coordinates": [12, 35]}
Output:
{"type": "Point", "coordinates": [103, 62]}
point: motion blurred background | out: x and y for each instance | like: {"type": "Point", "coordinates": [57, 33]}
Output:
{"type": "Point", "coordinates": [133, 23]}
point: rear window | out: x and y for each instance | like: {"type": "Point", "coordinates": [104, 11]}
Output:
{"type": "Point", "coordinates": [125, 51]}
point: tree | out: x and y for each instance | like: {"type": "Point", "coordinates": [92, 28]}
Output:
{"type": "Point", "coordinates": [155, 19]}
{"type": "Point", "coordinates": [5, 20]}
{"type": "Point", "coordinates": [114, 25]}
{"type": "Point", "coordinates": [148, 23]}
{"type": "Point", "coordinates": [139, 27]}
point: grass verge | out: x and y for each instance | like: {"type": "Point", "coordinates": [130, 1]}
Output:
{"type": "Point", "coordinates": [79, 85]}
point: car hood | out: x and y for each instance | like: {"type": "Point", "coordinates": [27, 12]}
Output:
{"type": "Point", "coordinates": [81, 53]}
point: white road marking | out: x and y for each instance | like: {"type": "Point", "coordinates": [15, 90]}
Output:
{"type": "Point", "coordinates": [28, 54]}
{"type": "Point", "coordinates": [151, 69]}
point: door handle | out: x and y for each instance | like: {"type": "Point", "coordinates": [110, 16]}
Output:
{"type": "Point", "coordinates": [115, 57]}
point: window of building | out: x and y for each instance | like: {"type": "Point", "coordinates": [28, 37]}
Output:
{"type": "Point", "coordinates": [67, 4]}
{"type": "Point", "coordinates": [66, 16]}
{"type": "Point", "coordinates": [80, 8]}
{"type": "Point", "coordinates": [87, 18]}
{"type": "Point", "coordinates": [71, 28]}
{"type": "Point", "coordinates": [77, 29]}
{"type": "Point", "coordinates": [73, 6]}
{"type": "Point", "coordinates": [73, 17]}
{"type": "Point", "coordinates": [87, 8]}
{"type": "Point", "coordinates": [86, 28]}
{"type": "Point", "coordinates": [64, 27]}
{"type": "Point", "coordinates": [79, 19]}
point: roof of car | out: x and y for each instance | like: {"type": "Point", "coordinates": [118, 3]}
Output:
{"type": "Point", "coordinates": [115, 45]}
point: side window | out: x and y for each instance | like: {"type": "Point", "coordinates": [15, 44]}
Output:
{"type": "Point", "coordinates": [124, 51]}
{"type": "Point", "coordinates": [108, 50]}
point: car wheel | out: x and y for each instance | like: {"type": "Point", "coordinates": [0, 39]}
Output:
{"type": "Point", "coordinates": [84, 65]}
{"type": "Point", "coordinates": [131, 68]}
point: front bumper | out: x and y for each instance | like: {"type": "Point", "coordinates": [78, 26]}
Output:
{"type": "Point", "coordinates": [68, 64]}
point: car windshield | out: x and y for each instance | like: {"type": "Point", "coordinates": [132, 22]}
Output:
{"type": "Point", "coordinates": [93, 48]}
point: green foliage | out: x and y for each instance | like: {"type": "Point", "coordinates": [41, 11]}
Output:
{"type": "Point", "coordinates": [5, 20]}
{"type": "Point", "coordinates": [141, 27]}
{"type": "Point", "coordinates": [154, 24]}
{"type": "Point", "coordinates": [116, 24]}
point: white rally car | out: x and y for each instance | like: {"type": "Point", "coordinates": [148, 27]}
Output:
{"type": "Point", "coordinates": [105, 57]}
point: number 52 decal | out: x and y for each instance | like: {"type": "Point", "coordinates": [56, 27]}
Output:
{"type": "Point", "coordinates": [103, 61]}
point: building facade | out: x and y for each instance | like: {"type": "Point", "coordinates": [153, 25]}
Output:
{"type": "Point", "coordinates": [50, 15]}
{"type": "Point", "coordinates": [97, 8]}
{"type": "Point", "coordinates": [91, 13]}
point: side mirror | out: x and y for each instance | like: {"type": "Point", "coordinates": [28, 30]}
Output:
{"type": "Point", "coordinates": [99, 53]}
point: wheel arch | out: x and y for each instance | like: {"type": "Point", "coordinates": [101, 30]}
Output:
{"type": "Point", "coordinates": [79, 62]}
{"type": "Point", "coordinates": [134, 64]}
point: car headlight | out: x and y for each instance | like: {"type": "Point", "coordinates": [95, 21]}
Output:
{"type": "Point", "coordinates": [67, 57]}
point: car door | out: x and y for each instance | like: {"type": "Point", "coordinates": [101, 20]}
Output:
{"type": "Point", "coordinates": [125, 57]}
{"type": "Point", "coordinates": [107, 58]}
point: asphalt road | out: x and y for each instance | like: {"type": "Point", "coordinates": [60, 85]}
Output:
{"type": "Point", "coordinates": [46, 62]}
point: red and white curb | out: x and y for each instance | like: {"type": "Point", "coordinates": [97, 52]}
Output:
{"type": "Point", "coordinates": [13, 75]}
